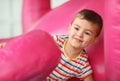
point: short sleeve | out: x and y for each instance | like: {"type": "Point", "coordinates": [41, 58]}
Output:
{"type": "Point", "coordinates": [54, 37]}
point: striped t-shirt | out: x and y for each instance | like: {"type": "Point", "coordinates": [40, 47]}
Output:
{"type": "Point", "coordinates": [68, 68]}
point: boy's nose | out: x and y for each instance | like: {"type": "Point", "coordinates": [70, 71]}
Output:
{"type": "Point", "coordinates": [80, 34]}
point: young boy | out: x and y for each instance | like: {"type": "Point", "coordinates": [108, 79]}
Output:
{"type": "Point", "coordinates": [83, 31]}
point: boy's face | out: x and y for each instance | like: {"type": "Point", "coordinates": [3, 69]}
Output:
{"type": "Point", "coordinates": [82, 33]}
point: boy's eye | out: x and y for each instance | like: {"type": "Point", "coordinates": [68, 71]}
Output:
{"type": "Point", "coordinates": [76, 28]}
{"type": "Point", "coordinates": [87, 33]}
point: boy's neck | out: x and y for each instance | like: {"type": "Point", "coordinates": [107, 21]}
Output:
{"type": "Point", "coordinates": [72, 52]}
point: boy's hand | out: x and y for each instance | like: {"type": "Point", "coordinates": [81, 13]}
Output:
{"type": "Point", "coordinates": [2, 44]}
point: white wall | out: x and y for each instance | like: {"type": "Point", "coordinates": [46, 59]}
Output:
{"type": "Point", "coordinates": [55, 3]}
{"type": "Point", "coordinates": [10, 16]}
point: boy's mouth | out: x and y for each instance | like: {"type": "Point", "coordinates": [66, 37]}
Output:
{"type": "Point", "coordinates": [78, 39]}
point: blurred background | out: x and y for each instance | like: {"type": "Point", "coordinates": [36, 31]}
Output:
{"type": "Point", "coordinates": [10, 16]}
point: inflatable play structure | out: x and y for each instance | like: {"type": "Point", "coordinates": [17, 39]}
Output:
{"type": "Point", "coordinates": [21, 59]}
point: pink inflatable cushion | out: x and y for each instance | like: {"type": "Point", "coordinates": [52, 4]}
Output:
{"type": "Point", "coordinates": [38, 7]}
{"type": "Point", "coordinates": [26, 56]}
{"type": "Point", "coordinates": [112, 40]}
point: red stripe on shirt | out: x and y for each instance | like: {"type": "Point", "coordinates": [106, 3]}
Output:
{"type": "Point", "coordinates": [68, 67]}
{"type": "Point", "coordinates": [78, 62]}
{"type": "Point", "coordinates": [58, 71]}
{"type": "Point", "coordinates": [52, 78]}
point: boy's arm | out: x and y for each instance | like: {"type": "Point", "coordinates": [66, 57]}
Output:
{"type": "Point", "coordinates": [89, 78]}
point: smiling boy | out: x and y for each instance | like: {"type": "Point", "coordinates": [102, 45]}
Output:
{"type": "Point", "coordinates": [82, 32]}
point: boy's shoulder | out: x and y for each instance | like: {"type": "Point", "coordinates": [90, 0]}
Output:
{"type": "Point", "coordinates": [60, 37]}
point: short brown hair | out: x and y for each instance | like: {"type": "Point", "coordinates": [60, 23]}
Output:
{"type": "Point", "coordinates": [91, 16]}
